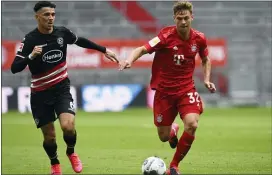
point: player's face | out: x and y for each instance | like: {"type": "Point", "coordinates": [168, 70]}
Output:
{"type": "Point", "coordinates": [183, 20]}
{"type": "Point", "coordinates": [46, 17]}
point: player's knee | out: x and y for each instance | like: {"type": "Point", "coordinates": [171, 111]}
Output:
{"type": "Point", "coordinates": [49, 136]}
{"type": "Point", "coordinates": [68, 127]}
{"type": "Point", "coordinates": [164, 135]}
{"type": "Point", "coordinates": [191, 127]}
{"type": "Point", "coordinates": [49, 133]}
{"type": "Point", "coordinates": [164, 138]}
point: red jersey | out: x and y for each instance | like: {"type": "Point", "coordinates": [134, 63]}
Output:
{"type": "Point", "coordinates": [174, 61]}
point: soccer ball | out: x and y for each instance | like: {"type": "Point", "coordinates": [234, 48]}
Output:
{"type": "Point", "coordinates": [153, 166]}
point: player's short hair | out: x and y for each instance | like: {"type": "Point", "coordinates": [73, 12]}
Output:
{"type": "Point", "coordinates": [42, 4]}
{"type": "Point", "coordinates": [182, 5]}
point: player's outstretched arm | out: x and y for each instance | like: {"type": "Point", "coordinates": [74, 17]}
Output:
{"type": "Point", "coordinates": [135, 55]}
{"type": "Point", "coordinates": [85, 43]}
{"type": "Point", "coordinates": [206, 64]}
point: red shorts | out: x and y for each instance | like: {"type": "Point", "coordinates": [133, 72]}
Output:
{"type": "Point", "coordinates": [166, 107]}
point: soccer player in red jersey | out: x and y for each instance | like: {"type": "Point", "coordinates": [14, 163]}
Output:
{"type": "Point", "coordinates": [175, 49]}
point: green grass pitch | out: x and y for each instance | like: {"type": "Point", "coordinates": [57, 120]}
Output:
{"type": "Point", "coordinates": [228, 141]}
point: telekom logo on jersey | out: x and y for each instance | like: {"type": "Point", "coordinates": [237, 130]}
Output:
{"type": "Point", "coordinates": [178, 59]}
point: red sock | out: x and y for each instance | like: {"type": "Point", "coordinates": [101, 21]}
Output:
{"type": "Point", "coordinates": [183, 147]}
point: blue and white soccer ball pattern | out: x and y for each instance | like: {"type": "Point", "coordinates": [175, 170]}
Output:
{"type": "Point", "coordinates": [153, 166]}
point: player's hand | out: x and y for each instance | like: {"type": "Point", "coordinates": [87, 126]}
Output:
{"type": "Point", "coordinates": [210, 86]}
{"type": "Point", "coordinates": [36, 51]}
{"type": "Point", "coordinates": [124, 65]}
{"type": "Point", "coordinates": [111, 56]}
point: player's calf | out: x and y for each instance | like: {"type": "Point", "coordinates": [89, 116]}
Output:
{"type": "Point", "coordinates": [67, 123]}
{"type": "Point", "coordinates": [186, 140]}
{"type": "Point", "coordinates": [70, 141]}
{"type": "Point", "coordinates": [51, 150]}
{"type": "Point", "coordinates": [49, 143]}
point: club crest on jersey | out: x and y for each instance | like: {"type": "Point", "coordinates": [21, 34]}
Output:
{"type": "Point", "coordinates": [193, 48]}
{"type": "Point", "coordinates": [159, 118]}
{"type": "Point", "coordinates": [60, 41]}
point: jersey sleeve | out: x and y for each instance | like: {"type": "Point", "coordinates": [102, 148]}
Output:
{"type": "Point", "coordinates": [21, 59]}
{"type": "Point", "coordinates": [203, 49]}
{"type": "Point", "coordinates": [70, 36]}
{"type": "Point", "coordinates": [155, 44]}
{"type": "Point", "coordinates": [25, 48]}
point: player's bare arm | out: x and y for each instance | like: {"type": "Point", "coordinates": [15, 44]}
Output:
{"type": "Point", "coordinates": [135, 55]}
{"type": "Point", "coordinates": [206, 64]}
{"type": "Point", "coordinates": [85, 43]}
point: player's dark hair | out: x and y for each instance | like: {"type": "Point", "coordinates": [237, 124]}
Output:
{"type": "Point", "coordinates": [182, 5]}
{"type": "Point", "coordinates": [42, 4]}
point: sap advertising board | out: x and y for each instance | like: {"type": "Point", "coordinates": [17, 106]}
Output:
{"type": "Point", "coordinates": [108, 97]}
{"type": "Point", "coordinates": [90, 98]}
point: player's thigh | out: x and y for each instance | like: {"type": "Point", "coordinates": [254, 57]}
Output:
{"type": "Point", "coordinates": [42, 109]}
{"type": "Point", "coordinates": [190, 103]}
{"type": "Point", "coordinates": [164, 110]}
{"type": "Point", "coordinates": [64, 107]}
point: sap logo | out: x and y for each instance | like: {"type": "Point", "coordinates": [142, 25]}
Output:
{"type": "Point", "coordinates": [52, 56]}
{"type": "Point", "coordinates": [99, 98]}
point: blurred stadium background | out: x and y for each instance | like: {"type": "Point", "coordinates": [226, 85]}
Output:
{"type": "Point", "coordinates": [239, 37]}
{"type": "Point", "coordinates": [242, 64]}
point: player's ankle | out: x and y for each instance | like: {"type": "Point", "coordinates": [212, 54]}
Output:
{"type": "Point", "coordinates": [54, 161]}
{"type": "Point", "coordinates": [69, 152]}
{"type": "Point", "coordinates": [174, 164]}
